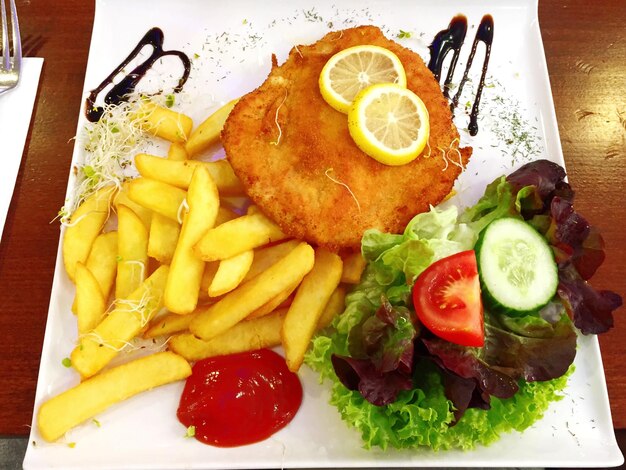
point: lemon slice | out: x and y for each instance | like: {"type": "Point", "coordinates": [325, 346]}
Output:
{"type": "Point", "coordinates": [355, 68]}
{"type": "Point", "coordinates": [389, 123]}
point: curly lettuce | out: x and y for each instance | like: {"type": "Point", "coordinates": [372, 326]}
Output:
{"type": "Point", "coordinates": [423, 415]}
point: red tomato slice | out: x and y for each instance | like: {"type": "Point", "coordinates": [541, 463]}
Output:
{"type": "Point", "coordinates": [446, 297]}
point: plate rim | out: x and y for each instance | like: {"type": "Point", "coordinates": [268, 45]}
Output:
{"type": "Point", "coordinates": [30, 462]}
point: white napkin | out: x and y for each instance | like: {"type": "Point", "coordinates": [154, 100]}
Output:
{"type": "Point", "coordinates": [16, 107]}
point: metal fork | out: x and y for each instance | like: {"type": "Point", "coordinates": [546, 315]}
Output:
{"type": "Point", "coordinates": [10, 49]}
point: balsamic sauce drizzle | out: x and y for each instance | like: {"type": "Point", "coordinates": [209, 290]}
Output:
{"type": "Point", "coordinates": [120, 91]}
{"type": "Point", "coordinates": [451, 39]}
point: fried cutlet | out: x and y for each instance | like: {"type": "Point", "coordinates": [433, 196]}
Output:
{"type": "Point", "coordinates": [299, 165]}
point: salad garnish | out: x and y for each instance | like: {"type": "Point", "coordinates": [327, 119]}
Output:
{"type": "Point", "coordinates": [401, 383]}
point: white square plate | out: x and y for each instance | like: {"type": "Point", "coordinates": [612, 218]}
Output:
{"type": "Point", "coordinates": [231, 43]}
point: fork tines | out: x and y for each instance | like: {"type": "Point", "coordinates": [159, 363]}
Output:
{"type": "Point", "coordinates": [10, 44]}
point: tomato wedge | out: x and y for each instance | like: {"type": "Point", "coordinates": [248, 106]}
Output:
{"type": "Point", "coordinates": [446, 297]}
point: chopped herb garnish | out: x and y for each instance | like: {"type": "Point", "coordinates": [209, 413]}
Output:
{"type": "Point", "coordinates": [312, 16]}
{"type": "Point", "coordinates": [96, 422]}
{"type": "Point", "coordinates": [169, 100]}
{"type": "Point", "coordinates": [403, 34]}
{"type": "Point", "coordinates": [66, 362]}
{"type": "Point", "coordinates": [71, 445]}
{"type": "Point", "coordinates": [191, 431]}
{"type": "Point", "coordinates": [510, 129]}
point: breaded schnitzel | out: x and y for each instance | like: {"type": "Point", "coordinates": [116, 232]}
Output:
{"type": "Point", "coordinates": [298, 163]}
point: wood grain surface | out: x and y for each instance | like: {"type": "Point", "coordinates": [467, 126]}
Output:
{"type": "Point", "coordinates": [585, 47]}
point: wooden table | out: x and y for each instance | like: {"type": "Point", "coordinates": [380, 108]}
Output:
{"type": "Point", "coordinates": [585, 45]}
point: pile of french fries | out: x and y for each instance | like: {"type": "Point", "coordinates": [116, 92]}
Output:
{"type": "Point", "coordinates": [184, 265]}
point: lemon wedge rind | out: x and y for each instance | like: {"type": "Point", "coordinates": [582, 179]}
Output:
{"type": "Point", "coordinates": [389, 123]}
{"type": "Point", "coordinates": [353, 69]}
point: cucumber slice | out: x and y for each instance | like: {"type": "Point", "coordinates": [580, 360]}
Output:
{"type": "Point", "coordinates": [516, 266]}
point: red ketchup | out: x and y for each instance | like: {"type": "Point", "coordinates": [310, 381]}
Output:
{"type": "Point", "coordinates": [239, 399]}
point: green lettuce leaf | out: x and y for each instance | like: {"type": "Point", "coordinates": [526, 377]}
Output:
{"type": "Point", "coordinates": [361, 302]}
{"type": "Point", "coordinates": [497, 202]}
{"type": "Point", "coordinates": [410, 258]}
{"type": "Point", "coordinates": [422, 416]}
{"type": "Point", "coordinates": [531, 326]}
{"type": "Point", "coordinates": [375, 243]}
{"type": "Point", "coordinates": [427, 238]}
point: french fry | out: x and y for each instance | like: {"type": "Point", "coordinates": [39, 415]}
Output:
{"type": "Point", "coordinates": [335, 305]}
{"type": "Point", "coordinates": [168, 324]}
{"type": "Point", "coordinates": [97, 348]}
{"type": "Point", "coordinates": [183, 284]}
{"type": "Point", "coordinates": [236, 236]}
{"type": "Point", "coordinates": [162, 198]}
{"type": "Point", "coordinates": [266, 256]}
{"type": "Point", "coordinates": [179, 173]}
{"type": "Point", "coordinates": [102, 261]}
{"type": "Point", "coordinates": [122, 198]}
{"type": "Point", "coordinates": [224, 215]}
{"type": "Point", "coordinates": [177, 152]}
{"type": "Point", "coordinates": [163, 237]}
{"type": "Point", "coordinates": [91, 397]}
{"type": "Point", "coordinates": [238, 304]}
{"type": "Point", "coordinates": [307, 306]}
{"type": "Point", "coordinates": [90, 303]}
{"type": "Point", "coordinates": [208, 133]}
{"type": "Point", "coordinates": [247, 335]}
{"type": "Point", "coordinates": [274, 303]}
{"type": "Point", "coordinates": [174, 322]}
{"type": "Point", "coordinates": [353, 266]}
{"type": "Point", "coordinates": [163, 122]}
{"type": "Point", "coordinates": [230, 273]}
{"type": "Point", "coordinates": [85, 225]}
{"type": "Point", "coordinates": [132, 244]}
{"type": "Point", "coordinates": [207, 278]}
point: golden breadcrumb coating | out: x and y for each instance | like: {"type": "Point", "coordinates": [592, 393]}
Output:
{"type": "Point", "coordinates": [299, 165]}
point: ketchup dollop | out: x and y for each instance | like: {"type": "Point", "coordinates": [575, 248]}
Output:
{"type": "Point", "coordinates": [239, 399]}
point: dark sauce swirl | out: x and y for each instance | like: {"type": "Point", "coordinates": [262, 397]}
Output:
{"type": "Point", "coordinates": [120, 91]}
{"type": "Point", "coordinates": [451, 39]}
